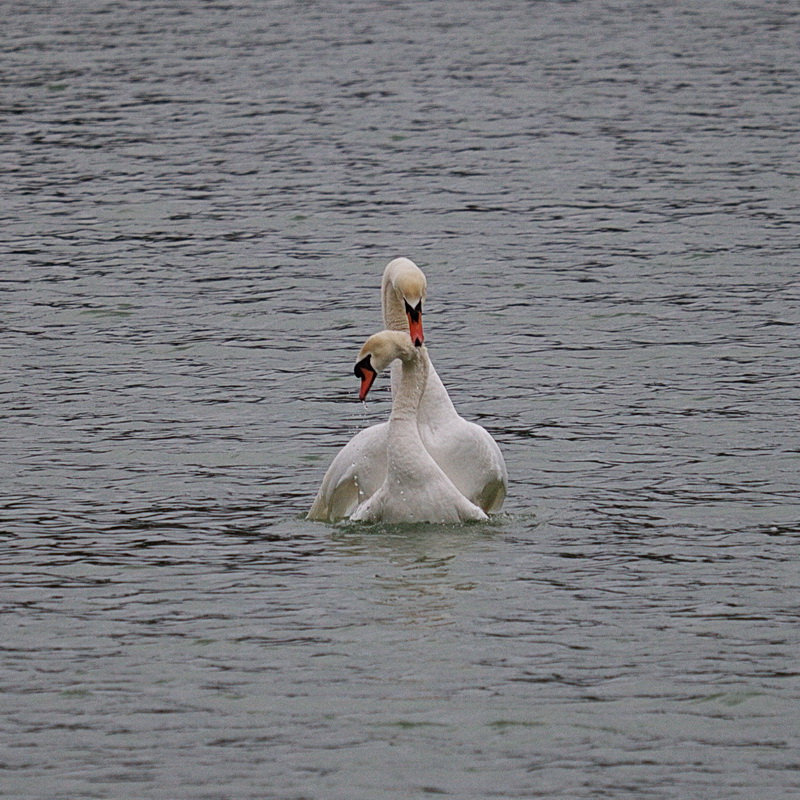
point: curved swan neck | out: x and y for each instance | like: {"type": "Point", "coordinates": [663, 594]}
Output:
{"type": "Point", "coordinates": [402, 281]}
{"type": "Point", "coordinates": [413, 377]}
{"type": "Point", "coordinates": [405, 450]}
{"type": "Point", "coordinates": [394, 316]}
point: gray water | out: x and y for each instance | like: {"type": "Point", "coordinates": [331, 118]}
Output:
{"type": "Point", "coordinates": [198, 200]}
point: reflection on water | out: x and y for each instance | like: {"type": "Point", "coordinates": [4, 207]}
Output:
{"type": "Point", "coordinates": [417, 582]}
{"type": "Point", "coordinates": [198, 207]}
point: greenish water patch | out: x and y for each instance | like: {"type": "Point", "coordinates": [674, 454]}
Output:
{"type": "Point", "coordinates": [729, 699]}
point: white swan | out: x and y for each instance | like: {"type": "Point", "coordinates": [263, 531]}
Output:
{"type": "Point", "coordinates": [465, 451]}
{"type": "Point", "coordinates": [415, 489]}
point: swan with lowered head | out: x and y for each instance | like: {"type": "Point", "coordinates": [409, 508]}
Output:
{"type": "Point", "coordinates": [359, 469]}
{"type": "Point", "coordinates": [465, 451]}
{"type": "Point", "coordinates": [415, 489]}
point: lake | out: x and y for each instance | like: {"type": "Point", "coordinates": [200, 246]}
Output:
{"type": "Point", "coordinates": [198, 203]}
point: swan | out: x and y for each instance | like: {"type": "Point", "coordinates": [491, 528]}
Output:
{"type": "Point", "coordinates": [358, 470]}
{"type": "Point", "coordinates": [414, 489]}
{"type": "Point", "coordinates": [465, 451]}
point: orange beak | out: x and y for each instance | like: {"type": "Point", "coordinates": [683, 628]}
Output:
{"type": "Point", "coordinates": [367, 379]}
{"type": "Point", "coordinates": [415, 324]}
{"type": "Point", "coordinates": [364, 371]}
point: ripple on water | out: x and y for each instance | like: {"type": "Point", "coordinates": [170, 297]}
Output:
{"type": "Point", "coordinates": [197, 210]}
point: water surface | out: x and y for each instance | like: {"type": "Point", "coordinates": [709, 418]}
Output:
{"type": "Point", "coordinates": [198, 204]}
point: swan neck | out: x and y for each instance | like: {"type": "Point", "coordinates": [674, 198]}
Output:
{"type": "Point", "coordinates": [394, 317]}
{"type": "Point", "coordinates": [413, 377]}
{"type": "Point", "coordinates": [406, 452]}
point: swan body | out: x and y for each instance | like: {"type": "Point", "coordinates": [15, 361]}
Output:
{"type": "Point", "coordinates": [355, 474]}
{"type": "Point", "coordinates": [414, 489]}
{"type": "Point", "coordinates": [466, 452]}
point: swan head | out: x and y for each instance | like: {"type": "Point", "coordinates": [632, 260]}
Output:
{"type": "Point", "coordinates": [378, 352]}
{"type": "Point", "coordinates": [408, 285]}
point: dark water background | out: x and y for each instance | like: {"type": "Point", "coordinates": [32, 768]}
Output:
{"type": "Point", "coordinates": [198, 200]}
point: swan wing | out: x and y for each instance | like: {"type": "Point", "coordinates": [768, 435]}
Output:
{"type": "Point", "coordinates": [490, 475]}
{"type": "Point", "coordinates": [470, 457]}
{"type": "Point", "coordinates": [465, 451]}
{"type": "Point", "coordinates": [355, 474]}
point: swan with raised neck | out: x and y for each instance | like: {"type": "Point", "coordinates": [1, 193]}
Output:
{"type": "Point", "coordinates": [415, 488]}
